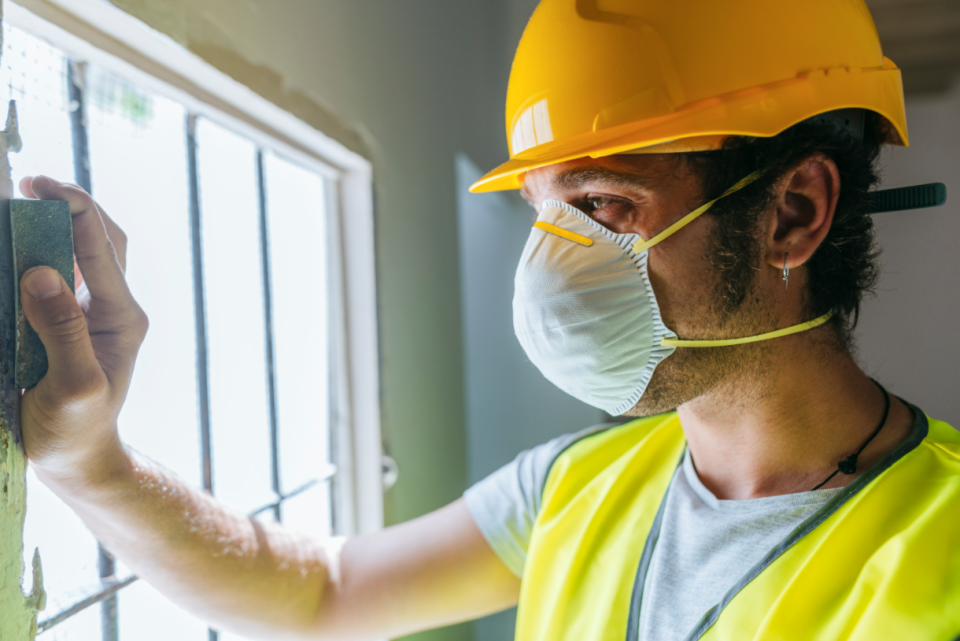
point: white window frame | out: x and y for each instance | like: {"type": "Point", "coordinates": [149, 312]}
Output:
{"type": "Point", "coordinates": [96, 31]}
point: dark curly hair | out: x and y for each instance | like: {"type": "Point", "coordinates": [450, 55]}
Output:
{"type": "Point", "coordinates": [844, 267]}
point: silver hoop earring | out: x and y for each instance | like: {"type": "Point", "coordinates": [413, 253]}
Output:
{"type": "Point", "coordinates": [786, 271]}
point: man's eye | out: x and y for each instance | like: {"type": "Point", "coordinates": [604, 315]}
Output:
{"type": "Point", "coordinates": [605, 205]}
{"type": "Point", "coordinates": [593, 204]}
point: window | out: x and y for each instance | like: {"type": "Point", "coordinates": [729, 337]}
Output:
{"type": "Point", "coordinates": [258, 378]}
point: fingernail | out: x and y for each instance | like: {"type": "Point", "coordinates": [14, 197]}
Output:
{"type": "Point", "coordinates": [43, 282]}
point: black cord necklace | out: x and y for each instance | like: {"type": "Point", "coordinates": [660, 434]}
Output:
{"type": "Point", "coordinates": [849, 464]}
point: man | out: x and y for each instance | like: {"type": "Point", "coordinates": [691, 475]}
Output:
{"type": "Point", "coordinates": [701, 176]}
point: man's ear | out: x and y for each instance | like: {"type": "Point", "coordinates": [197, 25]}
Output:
{"type": "Point", "coordinates": [803, 211]}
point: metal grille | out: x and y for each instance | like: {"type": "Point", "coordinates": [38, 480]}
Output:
{"type": "Point", "coordinates": [51, 87]}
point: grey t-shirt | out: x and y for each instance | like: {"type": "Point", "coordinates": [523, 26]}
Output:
{"type": "Point", "coordinates": [705, 546]}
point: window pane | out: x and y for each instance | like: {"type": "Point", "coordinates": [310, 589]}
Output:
{"type": "Point", "coordinates": [81, 627]}
{"type": "Point", "coordinates": [233, 287]}
{"type": "Point", "coordinates": [309, 512]}
{"type": "Point", "coordinates": [69, 555]}
{"type": "Point", "coordinates": [138, 166]}
{"type": "Point", "coordinates": [297, 242]}
{"type": "Point", "coordinates": [146, 615]}
{"type": "Point", "coordinates": [34, 74]}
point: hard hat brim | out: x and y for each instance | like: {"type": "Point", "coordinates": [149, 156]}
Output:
{"type": "Point", "coordinates": [757, 111]}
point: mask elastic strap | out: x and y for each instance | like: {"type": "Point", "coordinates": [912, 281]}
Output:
{"type": "Point", "coordinates": [786, 331]}
{"type": "Point", "coordinates": [643, 245]}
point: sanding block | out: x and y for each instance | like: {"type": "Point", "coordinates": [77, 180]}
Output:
{"type": "Point", "coordinates": [42, 234]}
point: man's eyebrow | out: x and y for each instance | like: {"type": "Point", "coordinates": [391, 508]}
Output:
{"type": "Point", "coordinates": [577, 177]}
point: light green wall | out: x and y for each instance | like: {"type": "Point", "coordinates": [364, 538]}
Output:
{"type": "Point", "coordinates": [408, 84]}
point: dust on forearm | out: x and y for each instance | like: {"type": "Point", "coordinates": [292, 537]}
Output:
{"type": "Point", "coordinates": [233, 570]}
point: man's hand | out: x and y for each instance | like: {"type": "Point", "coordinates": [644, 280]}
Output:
{"type": "Point", "coordinates": [70, 418]}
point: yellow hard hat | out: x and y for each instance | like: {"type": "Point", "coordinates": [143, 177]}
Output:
{"type": "Point", "coordinates": [601, 77]}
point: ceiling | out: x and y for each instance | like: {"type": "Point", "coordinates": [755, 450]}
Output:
{"type": "Point", "coordinates": [923, 38]}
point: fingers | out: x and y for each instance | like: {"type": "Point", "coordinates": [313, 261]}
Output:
{"type": "Point", "coordinates": [56, 316]}
{"type": "Point", "coordinates": [97, 255]}
{"type": "Point", "coordinates": [117, 237]}
{"type": "Point", "coordinates": [25, 187]}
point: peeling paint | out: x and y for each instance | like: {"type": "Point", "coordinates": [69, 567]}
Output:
{"type": "Point", "coordinates": [202, 33]}
{"type": "Point", "coordinates": [18, 612]}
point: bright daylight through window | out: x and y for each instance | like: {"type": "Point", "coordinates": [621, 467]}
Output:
{"type": "Point", "coordinates": [233, 384]}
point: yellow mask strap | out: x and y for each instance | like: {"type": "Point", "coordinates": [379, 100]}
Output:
{"type": "Point", "coordinates": [786, 331]}
{"type": "Point", "coordinates": [563, 233]}
{"type": "Point", "coordinates": [642, 245]}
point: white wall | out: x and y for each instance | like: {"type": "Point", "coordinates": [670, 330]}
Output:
{"type": "Point", "coordinates": [909, 334]}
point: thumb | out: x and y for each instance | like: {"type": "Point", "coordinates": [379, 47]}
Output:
{"type": "Point", "coordinates": [56, 316]}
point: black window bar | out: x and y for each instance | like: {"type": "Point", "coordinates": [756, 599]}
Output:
{"type": "Point", "coordinates": [203, 370]}
{"type": "Point", "coordinates": [268, 332]}
{"type": "Point", "coordinates": [106, 566]}
{"type": "Point", "coordinates": [110, 586]}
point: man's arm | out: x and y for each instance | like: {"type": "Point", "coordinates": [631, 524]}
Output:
{"type": "Point", "coordinates": [238, 573]}
{"type": "Point", "coordinates": [262, 581]}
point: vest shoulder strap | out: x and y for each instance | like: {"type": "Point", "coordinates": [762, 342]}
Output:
{"type": "Point", "coordinates": [585, 458]}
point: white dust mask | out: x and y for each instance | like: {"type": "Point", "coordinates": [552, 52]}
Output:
{"type": "Point", "coordinates": [584, 310]}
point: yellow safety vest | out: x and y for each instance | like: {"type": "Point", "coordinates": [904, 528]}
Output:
{"type": "Point", "coordinates": [880, 560]}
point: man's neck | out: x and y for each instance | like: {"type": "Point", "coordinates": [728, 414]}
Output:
{"type": "Point", "coordinates": [786, 429]}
